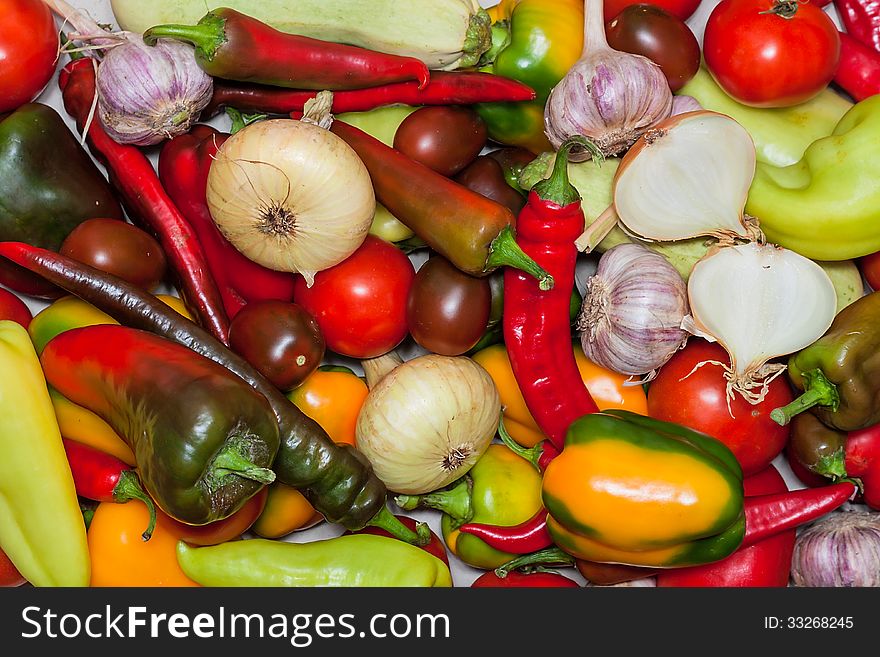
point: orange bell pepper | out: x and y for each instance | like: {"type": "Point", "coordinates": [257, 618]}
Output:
{"type": "Point", "coordinates": [607, 389]}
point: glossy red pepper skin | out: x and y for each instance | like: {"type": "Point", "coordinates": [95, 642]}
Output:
{"type": "Point", "coordinates": [515, 579]}
{"type": "Point", "coordinates": [767, 563]}
{"type": "Point", "coordinates": [134, 177]}
{"type": "Point", "coordinates": [529, 536]}
{"type": "Point", "coordinates": [104, 478]}
{"type": "Point", "coordinates": [184, 164]}
{"type": "Point", "coordinates": [859, 71]}
{"type": "Point", "coordinates": [536, 321]}
{"type": "Point", "coordinates": [861, 18]}
{"type": "Point", "coordinates": [234, 46]}
{"type": "Point", "coordinates": [863, 462]}
{"type": "Point", "coordinates": [444, 88]}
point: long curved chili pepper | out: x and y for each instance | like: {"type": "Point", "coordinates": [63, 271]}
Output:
{"type": "Point", "coordinates": [471, 231]}
{"type": "Point", "coordinates": [861, 18]}
{"type": "Point", "coordinates": [444, 88]}
{"type": "Point", "coordinates": [104, 478]}
{"type": "Point", "coordinates": [858, 73]}
{"type": "Point", "coordinates": [133, 175]}
{"type": "Point", "coordinates": [524, 538]}
{"type": "Point", "coordinates": [766, 515]}
{"type": "Point", "coordinates": [336, 479]}
{"type": "Point", "coordinates": [235, 46]}
{"type": "Point", "coordinates": [536, 322]}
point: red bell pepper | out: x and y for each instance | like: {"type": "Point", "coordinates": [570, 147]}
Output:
{"type": "Point", "coordinates": [858, 73]}
{"type": "Point", "coordinates": [234, 46]}
{"type": "Point", "coordinates": [861, 18]}
{"type": "Point", "coordinates": [536, 321]}
{"type": "Point", "coordinates": [184, 163]}
{"type": "Point", "coordinates": [444, 88]}
{"type": "Point", "coordinates": [138, 184]}
{"type": "Point", "coordinates": [104, 478]}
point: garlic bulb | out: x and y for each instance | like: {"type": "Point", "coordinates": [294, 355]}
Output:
{"type": "Point", "coordinates": [682, 104]}
{"type": "Point", "coordinates": [147, 94]}
{"type": "Point", "coordinates": [840, 550]}
{"type": "Point", "coordinates": [425, 423]}
{"type": "Point", "coordinates": [291, 196]}
{"type": "Point", "coordinates": [759, 301]}
{"type": "Point", "coordinates": [688, 177]}
{"type": "Point", "coordinates": [630, 320]}
{"type": "Point", "coordinates": [610, 96]}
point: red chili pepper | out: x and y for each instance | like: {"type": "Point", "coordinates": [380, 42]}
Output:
{"type": "Point", "coordinates": [471, 231]}
{"type": "Point", "coordinates": [137, 182]}
{"type": "Point", "coordinates": [444, 88]}
{"type": "Point", "coordinates": [516, 579]}
{"type": "Point", "coordinates": [861, 18]}
{"type": "Point", "coordinates": [536, 322]}
{"type": "Point", "coordinates": [104, 478]}
{"type": "Point", "coordinates": [234, 46]}
{"type": "Point", "coordinates": [184, 163]}
{"type": "Point", "coordinates": [858, 73]}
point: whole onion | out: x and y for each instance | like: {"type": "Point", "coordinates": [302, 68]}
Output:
{"type": "Point", "coordinates": [630, 320]}
{"type": "Point", "coordinates": [840, 550]}
{"type": "Point", "coordinates": [150, 93]}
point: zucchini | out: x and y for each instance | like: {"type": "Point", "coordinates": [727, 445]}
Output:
{"type": "Point", "coordinates": [445, 34]}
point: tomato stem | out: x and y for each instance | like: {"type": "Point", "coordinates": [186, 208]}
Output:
{"type": "Point", "coordinates": [784, 8]}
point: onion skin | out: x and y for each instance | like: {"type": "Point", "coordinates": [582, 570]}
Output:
{"type": "Point", "coordinates": [149, 94]}
{"type": "Point", "coordinates": [632, 311]}
{"type": "Point", "coordinates": [840, 550]}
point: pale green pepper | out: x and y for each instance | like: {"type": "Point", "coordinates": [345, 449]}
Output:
{"type": "Point", "coordinates": [41, 527]}
{"type": "Point", "coordinates": [826, 206]}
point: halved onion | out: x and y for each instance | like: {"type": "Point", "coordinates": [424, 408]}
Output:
{"type": "Point", "coordinates": [687, 177]}
{"type": "Point", "coordinates": [758, 301]}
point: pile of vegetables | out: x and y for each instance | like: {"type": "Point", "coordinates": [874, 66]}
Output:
{"type": "Point", "coordinates": [541, 294]}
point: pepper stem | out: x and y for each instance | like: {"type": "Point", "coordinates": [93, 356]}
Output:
{"type": "Point", "coordinates": [818, 391]}
{"type": "Point", "coordinates": [240, 120]}
{"type": "Point", "coordinates": [207, 35]}
{"type": "Point", "coordinates": [500, 41]}
{"type": "Point", "coordinates": [386, 520]}
{"type": "Point", "coordinates": [230, 461]}
{"type": "Point", "coordinates": [454, 502]}
{"type": "Point", "coordinates": [558, 188]}
{"type": "Point", "coordinates": [531, 454]}
{"type": "Point", "coordinates": [543, 557]}
{"type": "Point", "coordinates": [504, 251]}
{"type": "Point", "coordinates": [129, 488]}
{"type": "Point", "coordinates": [832, 465]}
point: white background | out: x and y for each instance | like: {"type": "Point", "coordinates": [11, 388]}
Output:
{"type": "Point", "coordinates": [462, 574]}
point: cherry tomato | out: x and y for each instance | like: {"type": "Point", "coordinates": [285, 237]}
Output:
{"type": "Point", "coordinates": [682, 9]}
{"type": "Point", "coordinates": [485, 176]}
{"type": "Point", "coordinates": [360, 304]}
{"type": "Point", "coordinates": [516, 579]}
{"type": "Point", "coordinates": [770, 53]}
{"type": "Point", "coordinates": [28, 51]}
{"type": "Point", "coordinates": [332, 396]}
{"type": "Point", "coordinates": [435, 546]}
{"type": "Point", "coordinates": [698, 400]}
{"type": "Point", "coordinates": [870, 267]}
{"type": "Point", "coordinates": [447, 310]}
{"type": "Point", "coordinates": [287, 510]}
{"type": "Point", "coordinates": [445, 138]}
{"type": "Point", "coordinates": [661, 37]}
{"type": "Point", "coordinates": [117, 248]}
{"type": "Point", "coordinates": [9, 575]}
{"type": "Point", "coordinates": [11, 307]}
{"type": "Point", "coordinates": [281, 339]}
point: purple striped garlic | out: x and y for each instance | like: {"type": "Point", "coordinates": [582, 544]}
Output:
{"type": "Point", "coordinates": [609, 96]}
{"type": "Point", "coordinates": [630, 320]}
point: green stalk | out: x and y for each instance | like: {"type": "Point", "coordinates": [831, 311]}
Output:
{"type": "Point", "coordinates": [230, 460]}
{"type": "Point", "coordinates": [535, 560]}
{"type": "Point", "coordinates": [818, 391]}
{"type": "Point", "coordinates": [532, 454]}
{"type": "Point", "coordinates": [206, 36]}
{"type": "Point", "coordinates": [129, 488]}
{"type": "Point", "coordinates": [558, 188]}
{"type": "Point", "coordinates": [386, 520]}
{"type": "Point", "coordinates": [454, 502]}
{"type": "Point", "coordinates": [505, 252]}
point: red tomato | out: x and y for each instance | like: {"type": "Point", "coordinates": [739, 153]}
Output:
{"type": "Point", "coordinates": [9, 575]}
{"type": "Point", "coordinates": [11, 307]}
{"type": "Point", "coordinates": [28, 49]}
{"type": "Point", "coordinates": [515, 579]}
{"type": "Point", "coordinates": [763, 59]}
{"type": "Point", "coordinates": [699, 401]}
{"type": "Point", "coordinates": [360, 304]}
{"type": "Point", "coordinates": [870, 266]}
{"type": "Point", "coordinates": [681, 8]}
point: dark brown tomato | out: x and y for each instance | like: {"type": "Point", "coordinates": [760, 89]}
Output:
{"type": "Point", "coordinates": [513, 159]}
{"type": "Point", "coordinates": [447, 310]}
{"type": "Point", "coordinates": [445, 138]}
{"type": "Point", "coordinates": [655, 33]}
{"type": "Point", "coordinates": [485, 176]}
{"type": "Point", "coordinates": [117, 248]}
{"type": "Point", "coordinates": [280, 338]}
